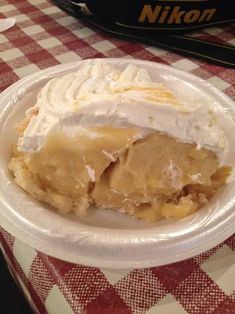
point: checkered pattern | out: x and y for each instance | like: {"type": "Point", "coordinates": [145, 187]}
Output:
{"type": "Point", "coordinates": [201, 285]}
{"type": "Point", "coordinates": [45, 36]}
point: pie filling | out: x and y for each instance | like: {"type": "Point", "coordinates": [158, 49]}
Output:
{"type": "Point", "coordinates": [150, 178]}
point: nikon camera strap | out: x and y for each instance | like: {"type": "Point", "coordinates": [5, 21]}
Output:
{"type": "Point", "coordinates": [163, 23]}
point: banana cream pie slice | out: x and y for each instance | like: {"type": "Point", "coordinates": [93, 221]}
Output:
{"type": "Point", "coordinates": [116, 139]}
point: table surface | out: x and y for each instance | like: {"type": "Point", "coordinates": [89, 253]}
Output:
{"type": "Point", "coordinates": [45, 36]}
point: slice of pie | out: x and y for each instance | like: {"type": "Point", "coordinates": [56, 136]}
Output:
{"type": "Point", "coordinates": [116, 139]}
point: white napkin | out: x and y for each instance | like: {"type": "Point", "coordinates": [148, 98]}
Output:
{"type": "Point", "coordinates": [7, 23]}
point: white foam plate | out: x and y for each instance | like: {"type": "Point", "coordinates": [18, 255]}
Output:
{"type": "Point", "coordinates": [105, 238]}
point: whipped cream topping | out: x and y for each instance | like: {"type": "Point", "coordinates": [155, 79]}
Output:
{"type": "Point", "coordinates": [99, 94]}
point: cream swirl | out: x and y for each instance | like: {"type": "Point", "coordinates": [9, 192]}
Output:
{"type": "Point", "coordinates": [100, 94]}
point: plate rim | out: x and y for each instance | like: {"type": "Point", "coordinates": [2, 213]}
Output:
{"type": "Point", "coordinates": [9, 223]}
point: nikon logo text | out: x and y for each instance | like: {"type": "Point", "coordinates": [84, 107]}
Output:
{"type": "Point", "coordinates": [166, 14]}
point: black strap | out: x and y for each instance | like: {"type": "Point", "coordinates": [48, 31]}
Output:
{"type": "Point", "coordinates": [174, 16]}
{"type": "Point", "coordinates": [211, 52]}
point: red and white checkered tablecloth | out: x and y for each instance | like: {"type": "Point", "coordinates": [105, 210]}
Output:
{"type": "Point", "coordinates": [45, 36]}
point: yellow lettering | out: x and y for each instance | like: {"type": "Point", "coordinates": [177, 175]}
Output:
{"type": "Point", "coordinates": [207, 15]}
{"type": "Point", "coordinates": [191, 16]}
{"type": "Point", "coordinates": [164, 14]}
{"type": "Point", "coordinates": [176, 15]}
{"type": "Point", "coordinates": [149, 14]}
